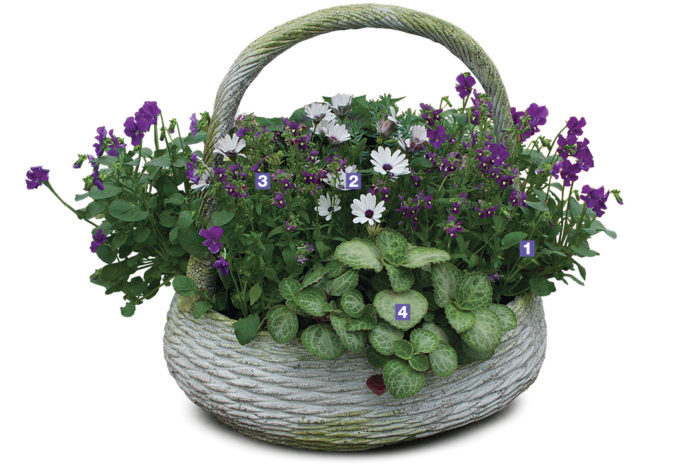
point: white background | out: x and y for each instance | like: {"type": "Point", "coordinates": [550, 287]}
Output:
{"type": "Point", "coordinates": [81, 385]}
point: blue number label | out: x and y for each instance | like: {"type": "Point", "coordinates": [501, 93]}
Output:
{"type": "Point", "coordinates": [402, 311]}
{"type": "Point", "coordinates": [353, 181]}
{"type": "Point", "coordinates": [262, 181]}
{"type": "Point", "coordinates": [527, 248]}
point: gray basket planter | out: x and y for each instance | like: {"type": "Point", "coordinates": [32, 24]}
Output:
{"type": "Point", "coordinates": [282, 394]}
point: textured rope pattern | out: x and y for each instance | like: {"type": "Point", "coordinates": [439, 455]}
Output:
{"type": "Point", "coordinates": [281, 394]}
{"type": "Point", "coordinates": [264, 49]}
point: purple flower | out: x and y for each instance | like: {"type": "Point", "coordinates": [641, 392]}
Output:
{"type": "Point", "coordinates": [455, 209]}
{"type": "Point", "coordinates": [36, 176]}
{"type": "Point", "coordinates": [429, 114]}
{"type": "Point", "coordinates": [115, 146]}
{"type": "Point", "coordinates": [193, 124]}
{"type": "Point", "coordinates": [575, 126]}
{"type": "Point", "coordinates": [222, 265]}
{"type": "Point", "coordinates": [101, 135]}
{"type": "Point", "coordinates": [537, 116]}
{"type": "Point", "coordinates": [301, 259]}
{"type": "Point", "coordinates": [135, 127]}
{"type": "Point", "coordinates": [583, 154]}
{"type": "Point", "coordinates": [595, 199]}
{"type": "Point", "coordinates": [410, 208]}
{"type": "Point", "coordinates": [290, 227]}
{"type": "Point", "coordinates": [478, 103]}
{"type": "Point", "coordinates": [278, 200]}
{"type": "Point", "coordinates": [517, 198]}
{"type": "Point", "coordinates": [569, 172]}
{"type": "Point", "coordinates": [309, 247]}
{"type": "Point", "coordinates": [465, 84]}
{"type": "Point", "coordinates": [437, 136]}
{"type": "Point", "coordinates": [453, 227]}
{"type": "Point", "coordinates": [494, 277]}
{"type": "Point", "coordinates": [487, 212]}
{"type": "Point", "coordinates": [98, 238]}
{"type": "Point", "coordinates": [211, 238]}
{"type": "Point", "coordinates": [190, 168]}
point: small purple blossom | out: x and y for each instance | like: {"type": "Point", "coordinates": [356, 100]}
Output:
{"type": "Point", "coordinates": [222, 265]}
{"type": "Point", "coordinates": [211, 236]}
{"type": "Point", "coordinates": [98, 238]}
{"type": "Point", "coordinates": [135, 127]}
{"type": "Point", "coordinates": [487, 212]}
{"type": "Point", "coordinates": [290, 227]}
{"type": "Point", "coordinates": [193, 124]}
{"type": "Point", "coordinates": [278, 200]}
{"type": "Point", "coordinates": [537, 116]}
{"type": "Point", "coordinates": [302, 259]}
{"type": "Point", "coordinates": [36, 176]}
{"type": "Point", "coordinates": [517, 198]}
{"type": "Point", "coordinates": [575, 126]}
{"type": "Point", "coordinates": [429, 114]}
{"type": "Point", "coordinates": [455, 209]}
{"type": "Point", "coordinates": [101, 135]}
{"type": "Point", "coordinates": [465, 84]}
{"type": "Point", "coordinates": [437, 136]}
{"type": "Point", "coordinates": [494, 277]}
{"type": "Point", "coordinates": [595, 199]}
{"type": "Point", "coordinates": [190, 170]}
{"type": "Point", "coordinates": [453, 227]}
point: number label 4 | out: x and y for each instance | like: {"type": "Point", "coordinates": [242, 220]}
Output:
{"type": "Point", "coordinates": [402, 311]}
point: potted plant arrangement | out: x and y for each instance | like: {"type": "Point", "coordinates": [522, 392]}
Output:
{"type": "Point", "coordinates": [356, 274]}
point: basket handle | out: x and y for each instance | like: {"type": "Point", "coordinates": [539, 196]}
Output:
{"type": "Point", "coordinates": [264, 49]}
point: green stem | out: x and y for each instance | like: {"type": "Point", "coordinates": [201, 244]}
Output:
{"type": "Point", "coordinates": [48, 185]}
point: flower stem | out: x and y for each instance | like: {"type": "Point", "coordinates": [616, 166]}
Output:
{"type": "Point", "coordinates": [48, 185]}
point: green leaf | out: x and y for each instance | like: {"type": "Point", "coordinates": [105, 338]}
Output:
{"type": "Point", "coordinates": [221, 218]}
{"type": "Point", "coordinates": [185, 219]}
{"type": "Point", "coordinates": [255, 293]}
{"type": "Point", "coordinates": [424, 341]}
{"type": "Point", "coordinates": [311, 300]}
{"type": "Point", "coordinates": [401, 279]}
{"type": "Point", "coordinates": [403, 349]}
{"type": "Point", "coordinates": [341, 284]}
{"type": "Point", "coordinates": [386, 300]}
{"type": "Point", "coordinates": [445, 278]}
{"type": "Point", "coordinates": [419, 257]}
{"type": "Point", "coordinates": [246, 329]}
{"type": "Point", "coordinates": [505, 316]}
{"type": "Point", "coordinates": [126, 211]}
{"type": "Point", "coordinates": [184, 285]}
{"type": "Point", "coordinates": [375, 359]}
{"type": "Point", "coordinates": [354, 342]}
{"type": "Point", "coordinates": [420, 163]}
{"type": "Point", "coordinates": [359, 254]}
{"type": "Point", "coordinates": [111, 190]}
{"type": "Point", "coordinates": [190, 240]}
{"type": "Point", "coordinates": [141, 234]}
{"type": "Point", "coordinates": [485, 335]}
{"type": "Point", "coordinates": [322, 341]}
{"type": "Point", "coordinates": [176, 199]}
{"type": "Point", "coordinates": [537, 205]}
{"type": "Point", "coordinates": [512, 238]}
{"type": "Point", "coordinates": [352, 303]}
{"type": "Point", "coordinates": [419, 362]}
{"type": "Point", "coordinates": [289, 287]}
{"type": "Point", "coordinates": [282, 324]}
{"type": "Point", "coordinates": [162, 161]}
{"type": "Point", "coordinates": [474, 291]}
{"type": "Point", "coordinates": [106, 254]}
{"type": "Point", "coordinates": [583, 250]}
{"type": "Point", "coordinates": [460, 321]}
{"type": "Point", "coordinates": [313, 276]}
{"type": "Point", "coordinates": [443, 360]}
{"type": "Point", "coordinates": [200, 308]}
{"type": "Point", "coordinates": [437, 330]}
{"type": "Point", "coordinates": [401, 380]}
{"type": "Point", "coordinates": [335, 268]}
{"type": "Point", "coordinates": [167, 219]}
{"type": "Point", "coordinates": [128, 309]}
{"type": "Point", "coordinates": [541, 286]}
{"type": "Point", "coordinates": [393, 246]}
{"type": "Point", "coordinates": [382, 338]}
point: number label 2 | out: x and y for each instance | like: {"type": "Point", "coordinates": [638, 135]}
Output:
{"type": "Point", "coordinates": [353, 181]}
{"type": "Point", "coordinates": [262, 181]}
{"type": "Point", "coordinates": [402, 311]}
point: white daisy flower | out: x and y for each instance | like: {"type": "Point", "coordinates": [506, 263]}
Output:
{"type": "Point", "coordinates": [230, 146]}
{"type": "Point", "coordinates": [317, 110]}
{"type": "Point", "coordinates": [327, 121]}
{"type": "Point", "coordinates": [341, 103]}
{"type": "Point", "coordinates": [336, 133]}
{"type": "Point", "coordinates": [204, 180]}
{"type": "Point", "coordinates": [419, 136]}
{"type": "Point", "coordinates": [367, 210]}
{"type": "Point", "coordinates": [337, 180]}
{"type": "Point", "coordinates": [327, 205]}
{"type": "Point", "coordinates": [385, 162]}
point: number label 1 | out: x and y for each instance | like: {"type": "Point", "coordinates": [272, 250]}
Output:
{"type": "Point", "coordinates": [527, 248]}
{"type": "Point", "coordinates": [402, 311]}
{"type": "Point", "coordinates": [353, 181]}
{"type": "Point", "coordinates": [262, 181]}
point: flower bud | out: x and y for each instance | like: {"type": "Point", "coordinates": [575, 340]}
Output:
{"type": "Point", "coordinates": [385, 127]}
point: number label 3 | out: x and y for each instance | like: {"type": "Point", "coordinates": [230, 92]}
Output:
{"type": "Point", "coordinates": [262, 181]}
{"type": "Point", "coordinates": [402, 311]}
